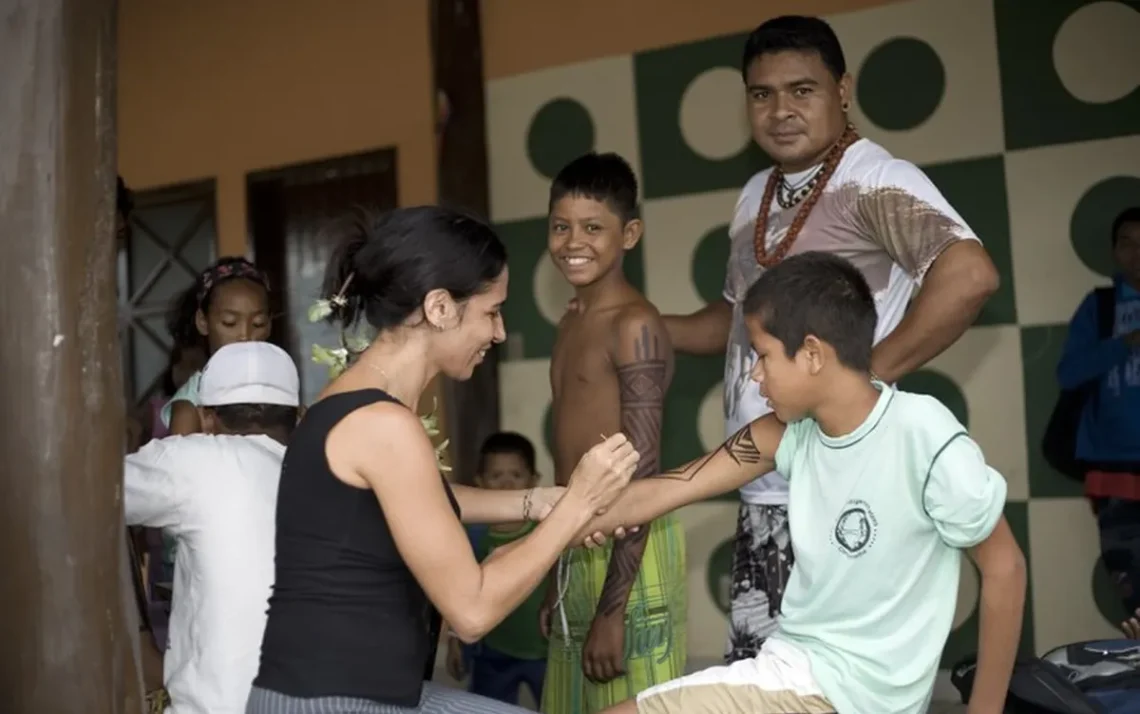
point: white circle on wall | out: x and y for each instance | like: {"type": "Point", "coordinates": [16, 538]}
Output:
{"type": "Point", "coordinates": [551, 291]}
{"type": "Point", "coordinates": [713, 120]}
{"type": "Point", "coordinates": [1096, 52]}
{"type": "Point", "coordinates": [710, 418]}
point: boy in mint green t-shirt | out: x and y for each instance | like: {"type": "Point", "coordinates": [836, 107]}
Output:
{"type": "Point", "coordinates": [514, 653]}
{"type": "Point", "coordinates": [886, 489]}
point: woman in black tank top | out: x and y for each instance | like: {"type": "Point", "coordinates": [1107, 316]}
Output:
{"type": "Point", "coordinates": [369, 539]}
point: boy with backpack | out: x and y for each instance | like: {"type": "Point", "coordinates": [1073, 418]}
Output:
{"type": "Point", "coordinates": [1099, 374]}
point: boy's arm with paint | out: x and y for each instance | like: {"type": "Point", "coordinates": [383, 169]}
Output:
{"type": "Point", "coordinates": [643, 359]}
{"type": "Point", "coordinates": [747, 455]}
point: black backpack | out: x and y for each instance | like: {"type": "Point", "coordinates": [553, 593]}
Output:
{"type": "Point", "coordinates": [1099, 677]}
{"type": "Point", "coordinates": [1059, 446]}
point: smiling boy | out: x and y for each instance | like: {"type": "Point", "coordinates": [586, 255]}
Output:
{"type": "Point", "coordinates": [615, 616]}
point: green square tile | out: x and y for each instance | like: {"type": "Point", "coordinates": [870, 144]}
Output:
{"type": "Point", "coordinates": [670, 167]}
{"type": "Point", "coordinates": [942, 387]}
{"type": "Point", "coordinates": [1037, 107]}
{"type": "Point", "coordinates": [976, 189]}
{"type": "Point", "coordinates": [526, 248]}
{"type": "Point", "coordinates": [963, 642]}
{"type": "Point", "coordinates": [1040, 351]}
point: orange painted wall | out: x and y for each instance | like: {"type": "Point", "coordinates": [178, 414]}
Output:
{"type": "Point", "coordinates": [220, 88]}
{"type": "Point", "coordinates": [524, 35]}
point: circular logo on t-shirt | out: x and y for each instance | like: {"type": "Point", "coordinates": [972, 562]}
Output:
{"type": "Point", "coordinates": [855, 529]}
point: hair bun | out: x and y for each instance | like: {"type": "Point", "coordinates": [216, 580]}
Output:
{"type": "Point", "coordinates": [341, 288]}
{"type": "Point", "coordinates": [385, 264]}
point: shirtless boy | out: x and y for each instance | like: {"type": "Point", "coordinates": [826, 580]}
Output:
{"type": "Point", "coordinates": [615, 616]}
{"type": "Point", "coordinates": [887, 492]}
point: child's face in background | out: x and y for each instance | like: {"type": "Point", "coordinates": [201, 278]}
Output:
{"type": "Point", "coordinates": [238, 312]}
{"type": "Point", "coordinates": [505, 472]}
{"type": "Point", "coordinates": [587, 239]}
{"type": "Point", "coordinates": [1127, 250]}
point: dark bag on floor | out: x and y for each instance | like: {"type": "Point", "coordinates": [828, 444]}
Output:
{"type": "Point", "coordinates": [1098, 677]}
{"type": "Point", "coordinates": [1059, 445]}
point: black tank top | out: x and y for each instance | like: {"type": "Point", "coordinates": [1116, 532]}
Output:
{"type": "Point", "coordinates": [346, 617]}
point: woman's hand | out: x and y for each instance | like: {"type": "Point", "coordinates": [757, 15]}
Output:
{"type": "Point", "coordinates": [603, 472]}
{"type": "Point", "coordinates": [542, 501]}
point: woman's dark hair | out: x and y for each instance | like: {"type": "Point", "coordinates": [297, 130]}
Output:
{"type": "Point", "coordinates": [180, 317]}
{"type": "Point", "coordinates": [819, 294]}
{"type": "Point", "coordinates": [797, 33]}
{"type": "Point", "coordinates": [386, 263]}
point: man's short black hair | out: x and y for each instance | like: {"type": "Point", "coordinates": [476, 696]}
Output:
{"type": "Point", "coordinates": [607, 178]}
{"type": "Point", "coordinates": [507, 442]}
{"type": "Point", "coordinates": [817, 294]}
{"type": "Point", "coordinates": [798, 33]}
{"type": "Point", "coordinates": [1128, 215]}
{"type": "Point", "coordinates": [256, 418]}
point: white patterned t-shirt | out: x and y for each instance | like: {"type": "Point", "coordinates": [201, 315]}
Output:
{"type": "Point", "coordinates": [881, 213]}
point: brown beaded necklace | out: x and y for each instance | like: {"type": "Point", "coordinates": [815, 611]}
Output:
{"type": "Point", "coordinates": [830, 162]}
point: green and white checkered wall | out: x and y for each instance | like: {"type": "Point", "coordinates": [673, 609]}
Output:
{"type": "Point", "coordinates": [1025, 114]}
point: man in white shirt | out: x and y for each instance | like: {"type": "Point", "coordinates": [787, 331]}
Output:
{"type": "Point", "coordinates": [216, 492]}
{"type": "Point", "coordinates": [833, 191]}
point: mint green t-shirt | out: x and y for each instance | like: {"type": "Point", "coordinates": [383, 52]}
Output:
{"type": "Point", "coordinates": [879, 518]}
{"type": "Point", "coordinates": [188, 392]}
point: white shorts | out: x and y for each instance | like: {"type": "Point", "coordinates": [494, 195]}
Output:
{"type": "Point", "coordinates": [778, 680]}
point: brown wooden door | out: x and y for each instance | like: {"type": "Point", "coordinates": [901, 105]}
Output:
{"type": "Point", "coordinates": [288, 210]}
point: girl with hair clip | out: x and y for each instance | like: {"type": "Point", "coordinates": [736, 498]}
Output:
{"type": "Point", "coordinates": [229, 302]}
{"type": "Point", "coordinates": [370, 546]}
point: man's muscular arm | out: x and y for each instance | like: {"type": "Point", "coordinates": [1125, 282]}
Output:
{"type": "Point", "coordinates": [704, 332]}
{"type": "Point", "coordinates": [747, 455]}
{"type": "Point", "coordinates": [906, 214]}
{"type": "Point", "coordinates": [643, 358]}
{"type": "Point", "coordinates": [956, 288]}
